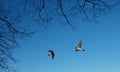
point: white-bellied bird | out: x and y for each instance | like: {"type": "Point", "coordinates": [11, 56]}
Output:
{"type": "Point", "coordinates": [79, 47]}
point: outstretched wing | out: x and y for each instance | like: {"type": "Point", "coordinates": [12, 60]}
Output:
{"type": "Point", "coordinates": [50, 51]}
{"type": "Point", "coordinates": [80, 44]}
{"type": "Point", "coordinates": [53, 55]}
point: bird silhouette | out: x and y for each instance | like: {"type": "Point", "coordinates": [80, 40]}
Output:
{"type": "Point", "coordinates": [51, 53]}
{"type": "Point", "coordinates": [79, 47]}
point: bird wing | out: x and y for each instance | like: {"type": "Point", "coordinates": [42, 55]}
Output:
{"type": "Point", "coordinates": [53, 55]}
{"type": "Point", "coordinates": [80, 44]}
{"type": "Point", "coordinates": [50, 51]}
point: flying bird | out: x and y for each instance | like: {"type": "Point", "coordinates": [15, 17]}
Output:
{"type": "Point", "coordinates": [51, 53]}
{"type": "Point", "coordinates": [79, 47]}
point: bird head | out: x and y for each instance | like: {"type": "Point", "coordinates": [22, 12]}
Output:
{"type": "Point", "coordinates": [48, 54]}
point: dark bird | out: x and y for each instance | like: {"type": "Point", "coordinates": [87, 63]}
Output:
{"type": "Point", "coordinates": [79, 47]}
{"type": "Point", "coordinates": [51, 53]}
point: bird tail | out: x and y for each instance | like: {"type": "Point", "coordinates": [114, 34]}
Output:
{"type": "Point", "coordinates": [83, 50]}
{"type": "Point", "coordinates": [76, 50]}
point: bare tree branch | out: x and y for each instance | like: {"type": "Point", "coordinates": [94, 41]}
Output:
{"type": "Point", "coordinates": [42, 12]}
{"type": "Point", "coordinates": [10, 32]}
{"type": "Point", "coordinates": [63, 14]}
{"type": "Point", "coordinates": [91, 9]}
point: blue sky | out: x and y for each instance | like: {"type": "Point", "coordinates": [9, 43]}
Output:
{"type": "Point", "coordinates": [100, 41]}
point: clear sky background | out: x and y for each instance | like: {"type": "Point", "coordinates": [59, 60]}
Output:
{"type": "Point", "coordinates": [100, 41]}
